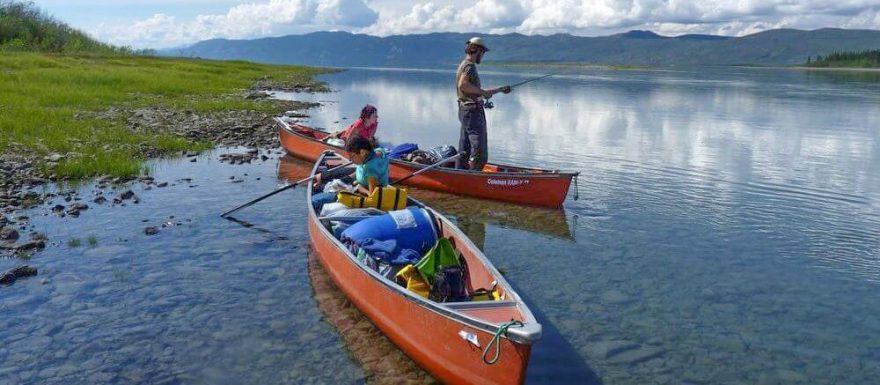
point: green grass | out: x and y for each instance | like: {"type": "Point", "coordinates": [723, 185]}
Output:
{"type": "Point", "coordinates": [74, 242]}
{"type": "Point", "coordinates": [40, 95]}
{"type": "Point", "coordinates": [93, 241]}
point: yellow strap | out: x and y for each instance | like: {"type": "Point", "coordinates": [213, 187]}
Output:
{"type": "Point", "coordinates": [379, 202]}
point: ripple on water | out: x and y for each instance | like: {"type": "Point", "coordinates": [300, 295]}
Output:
{"type": "Point", "coordinates": [726, 234]}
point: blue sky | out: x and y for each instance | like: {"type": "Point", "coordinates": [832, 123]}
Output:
{"type": "Point", "coordinates": [166, 23]}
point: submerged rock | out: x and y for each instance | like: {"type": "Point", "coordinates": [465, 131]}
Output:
{"type": "Point", "coordinates": [75, 208]}
{"type": "Point", "coordinates": [11, 276]}
{"type": "Point", "coordinates": [152, 230]}
{"type": "Point", "coordinates": [606, 349]}
{"type": "Point", "coordinates": [36, 244]}
{"type": "Point", "coordinates": [634, 356]}
{"type": "Point", "coordinates": [8, 234]}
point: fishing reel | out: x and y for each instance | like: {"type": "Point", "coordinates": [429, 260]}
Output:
{"type": "Point", "coordinates": [486, 103]}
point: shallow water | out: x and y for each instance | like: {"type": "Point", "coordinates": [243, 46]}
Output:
{"type": "Point", "coordinates": [727, 232]}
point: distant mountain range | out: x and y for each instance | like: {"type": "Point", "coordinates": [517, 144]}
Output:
{"type": "Point", "coordinates": [643, 48]}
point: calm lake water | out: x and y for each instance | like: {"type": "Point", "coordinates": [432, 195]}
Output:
{"type": "Point", "coordinates": [727, 232]}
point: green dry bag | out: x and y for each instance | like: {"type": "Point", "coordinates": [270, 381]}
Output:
{"type": "Point", "coordinates": [440, 256]}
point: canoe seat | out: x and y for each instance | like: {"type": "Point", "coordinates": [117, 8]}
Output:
{"type": "Point", "coordinates": [489, 311]}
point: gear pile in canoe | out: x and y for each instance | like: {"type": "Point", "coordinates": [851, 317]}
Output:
{"type": "Point", "coordinates": [528, 186]}
{"type": "Point", "coordinates": [422, 282]}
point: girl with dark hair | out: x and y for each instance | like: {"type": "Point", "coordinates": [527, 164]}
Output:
{"type": "Point", "coordinates": [372, 164]}
{"type": "Point", "coordinates": [365, 126]}
{"type": "Point", "coordinates": [371, 171]}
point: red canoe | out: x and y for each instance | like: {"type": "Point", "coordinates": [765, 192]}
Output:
{"type": "Point", "coordinates": [446, 339]}
{"type": "Point", "coordinates": [528, 186]}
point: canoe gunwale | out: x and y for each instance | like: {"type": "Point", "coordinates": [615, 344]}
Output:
{"type": "Point", "coordinates": [529, 333]}
{"type": "Point", "coordinates": [554, 174]}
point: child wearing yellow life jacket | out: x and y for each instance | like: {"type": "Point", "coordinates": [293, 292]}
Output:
{"type": "Point", "coordinates": [371, 171]}
{"type": "Point", "coordinates": [372, 164]}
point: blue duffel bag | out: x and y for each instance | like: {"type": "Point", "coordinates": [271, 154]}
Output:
{"type": "Point", "coordinates": [400, 150]}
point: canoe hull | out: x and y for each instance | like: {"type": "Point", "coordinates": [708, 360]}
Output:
{"type": "Point", "coordinates": [430, 339]}
{"type": "Point", "coordinates": [545, 189]}
{"type": "Point", "coordinates": [445, 338]}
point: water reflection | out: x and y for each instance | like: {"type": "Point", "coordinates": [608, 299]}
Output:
{"type": "Point", "coordinates": [728, 226]}
{"type": "Point", "coordinates": [727, 143]}
{"type": "Point", "coordinates": [384, 362]}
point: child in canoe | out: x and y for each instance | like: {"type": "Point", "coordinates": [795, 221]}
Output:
{"type": "Point", "coordinates": [372, 164]}
{"type": "Point", "coordinates": [364, 127]}
{"type": "Point", "coordinates": [371, 171]}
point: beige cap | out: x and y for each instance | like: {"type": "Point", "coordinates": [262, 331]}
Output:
{"type": "Point", "coordinates": [477, 41]}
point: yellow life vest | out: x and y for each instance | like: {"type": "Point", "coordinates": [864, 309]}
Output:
{"type": "Point", "coordinates": [485, 295]}
{"type": "Point", "coordinates": [414, 280]}
{"type": "Point", "coordinates": [386, 198]}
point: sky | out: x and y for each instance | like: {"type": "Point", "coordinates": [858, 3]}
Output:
{"type": "Point", "coordinates": [176, 23]}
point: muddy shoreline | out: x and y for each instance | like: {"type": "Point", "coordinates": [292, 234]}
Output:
{"type": "Point", "coordinates": [28, 181]}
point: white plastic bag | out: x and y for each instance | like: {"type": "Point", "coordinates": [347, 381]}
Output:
{"type": "Point", "coordinates": [337, 185]}
{"type": "Point", "coordinates": [330, 208]}
{"type": "Point", "coordinates": [335, 142]}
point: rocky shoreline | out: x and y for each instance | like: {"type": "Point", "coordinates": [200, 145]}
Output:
{"type": "Point", "coordinates": [24, 173]}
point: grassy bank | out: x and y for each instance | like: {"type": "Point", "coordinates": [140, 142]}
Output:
{"type": "Point", "coordinates": [49, 104]}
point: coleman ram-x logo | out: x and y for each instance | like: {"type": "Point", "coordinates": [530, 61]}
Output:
{"type": "Point", "coordinates": [506, 182]}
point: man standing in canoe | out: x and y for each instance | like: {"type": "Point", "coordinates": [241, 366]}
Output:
{"type": "Point", "coordinates": [470, 107]}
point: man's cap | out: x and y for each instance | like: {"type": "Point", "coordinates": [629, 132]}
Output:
{"type": "Point", "coordinates": [479, 42]}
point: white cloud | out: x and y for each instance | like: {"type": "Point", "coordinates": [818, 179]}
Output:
{"type": "Point", "coordinates": [426, 17]}
{"type": "Point", "coordinates": [494, 14]}
{"type": "Point", "coordinates": [867, 19]}
{"type": "Point", "coordinates": [242, 21]}
{"type": "Point", "coordinates": [579, 17]}
{"type": "Point", "coordinates": [600, 17]}
{"type": "Point", "coordinates": [731, 16]}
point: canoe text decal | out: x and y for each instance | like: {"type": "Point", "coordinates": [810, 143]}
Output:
{"type": "Point", "coordinates": [506, 182]}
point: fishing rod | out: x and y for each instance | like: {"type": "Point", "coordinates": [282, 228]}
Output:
{"type": "Point", "coordinates": [488, 104]}
{"type": "Point", "coordinates": [533, 79]}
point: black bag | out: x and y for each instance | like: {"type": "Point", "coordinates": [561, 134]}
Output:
{"type": "Point", "coordinates": [449, 285]}
{"type": "Point", "coordinates": [419, 156]}
{"type": "Point", "coordinates": [441, 152]}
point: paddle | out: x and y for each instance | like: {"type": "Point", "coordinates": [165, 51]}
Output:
{"type": "Point", "coordinates": [442, 161]}
{"type": "Point", "coordinates": [290, 186]}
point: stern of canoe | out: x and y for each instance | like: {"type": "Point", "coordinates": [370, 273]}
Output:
{"type": "Point", "coordinates": [435, 341]}
{"type": "Point", "coordinates": [302, 143]}
{"type": "Point", "coordinates": [546, 189]}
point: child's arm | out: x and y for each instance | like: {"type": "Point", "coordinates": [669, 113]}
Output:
{"type": "Point", "coordinates": [367, 190]}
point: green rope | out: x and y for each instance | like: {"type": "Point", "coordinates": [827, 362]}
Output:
{"type": "Point", "coordinates": [496, 340]}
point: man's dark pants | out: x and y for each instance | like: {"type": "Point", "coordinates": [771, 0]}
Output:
{"type": "Point", "coordinates": [472, 143]}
